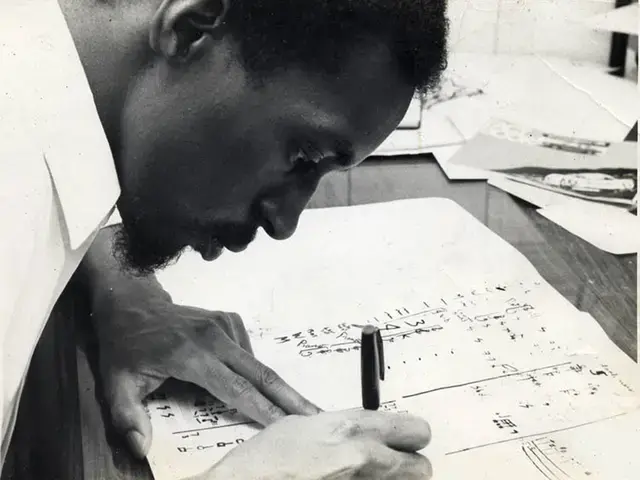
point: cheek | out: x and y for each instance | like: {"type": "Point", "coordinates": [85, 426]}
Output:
{"type": "Point", "coordinates": [190, 162]}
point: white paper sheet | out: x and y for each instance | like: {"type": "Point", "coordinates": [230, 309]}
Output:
{"type": "Point", "coordinates": [412, 116]}
{"type": "Point", "coordinates": [499, 363]}
{"type": "Point", "coordinates": [611, 229]}
{"type": "Point", "coordinates": [548, 93]}
{"type": "Point", "coordinates": [454, 171]}
{"type": "Point", "coordinates": [622, 20]}
{"type": "Point", "coordinates": [449, 116]}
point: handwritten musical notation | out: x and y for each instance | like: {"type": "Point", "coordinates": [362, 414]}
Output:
{"type": "Point", "coordinates": [485, 366]}
{"type": "Point", "coordinates": [554, 460]}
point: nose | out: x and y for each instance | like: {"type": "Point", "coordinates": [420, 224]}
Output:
{"type": "Point", "coordinates": [281, 209]}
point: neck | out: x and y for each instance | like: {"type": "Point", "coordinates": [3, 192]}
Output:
{"type": "Point", "coordinates": [113, 47]}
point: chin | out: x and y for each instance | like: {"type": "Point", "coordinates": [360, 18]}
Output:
{"type": "Point", "coordinates": [141, 254]}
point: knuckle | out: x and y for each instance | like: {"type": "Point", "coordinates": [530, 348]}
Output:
{"type": "Point", "coordinates": [347, 428]}
{"type": "Point", "coordinates": [268, 377]}
{"type": "Point", "coordinates": [416, 466]}
{"type": "Point", "coordinates": [189, 358]}
{"type": "Point", "coordinates": [273, 412]}
{"type": "Point", "coordinates": [426, 470]}
{"type": "Point", "coordinates": [234, 319]}
{"type": "Point", "coordinates": [241, 387]}
{"type": "Point", "coordinates": [215, 335]}
{"type": "Point", "coordinates": [411, 465]}
{"type": "Point", "coordinates": [121, 415]}
{"type": "Point", "coordinates": [210, 328]}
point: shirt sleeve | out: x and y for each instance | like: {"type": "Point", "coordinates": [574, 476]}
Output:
{"type": "Point", "coordinates": [25, 207]}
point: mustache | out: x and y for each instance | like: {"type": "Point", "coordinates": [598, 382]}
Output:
{"type": "Point", "coordinates": [226, 232]}
{"type": "Point", "coordinates": [145, 244]}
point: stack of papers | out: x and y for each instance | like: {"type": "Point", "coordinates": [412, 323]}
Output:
{"type": "Point", "coordinates": [515, 382]}
{"type": "Point", "coordinates": [547, 93]}
{"type": "Point", "coordinates": [586, 186]}
{"type": "Point", "coordinates": [565, 117]}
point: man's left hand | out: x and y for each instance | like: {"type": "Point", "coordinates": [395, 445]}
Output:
{"type": "Point", "coordinates": [144, 339]}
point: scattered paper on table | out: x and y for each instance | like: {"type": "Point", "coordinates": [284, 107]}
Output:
{"type": "Point", "coordinates": [513, 379]}
{"type": "Point", "coordinates": [543, 93]}
{"type": "Point", "coordinates": [581, 168]}
{"type": "Point", "coordinates": [621, 20]}
{"type": "Point", "coordinates": [534, 195]}
{"type": "Point", "coordinates": [453, 171]}
{"type": "Point", "coordinates": [546, 93]}
{"type": "Point", "coordinates": [611, 229]}
{"type": "Point", "coordinates": [411, 119]}
{"type": "Point", "coordinates": [442, 121]}
{"type": "Point", "coordinates": [616, 96]}
{"type": "Point", "coordinates": [567, 186]}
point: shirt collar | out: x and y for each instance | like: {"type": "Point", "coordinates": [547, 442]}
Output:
{"type": "Point", "coordinates": [63, 113]}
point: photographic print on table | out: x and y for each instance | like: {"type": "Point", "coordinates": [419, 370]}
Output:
{"type": "Point", "coordinates": [613, 186]}
{"type": "Point", "coordinates": [588, 169]}
{"type": "Point", "coordinates": [617, 186]}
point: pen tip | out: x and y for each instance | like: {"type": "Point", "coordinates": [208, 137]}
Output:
{"type": "Point", "coordinates": [369, 329]}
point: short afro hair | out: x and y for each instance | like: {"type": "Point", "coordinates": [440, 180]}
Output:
{"type": "Point", "coordinates": [313, 34]}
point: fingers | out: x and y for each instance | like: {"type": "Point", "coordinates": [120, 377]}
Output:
{"type": "Point", "coordinates": [239, 332]}
{"type": "Point", "coordinates": [268, 382]}
{"type": "Point", "coordinates": [383, 462]}
{"type": "Point", "coordinates": [128, 415]}
{"type": "Point", "coordinates": [233, 389]}
{"type": "Point", "coordinates": [398, 431]}
{"type": "Point", "coordinates": [231, 323]}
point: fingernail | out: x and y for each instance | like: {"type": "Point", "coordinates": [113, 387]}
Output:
{"type": "Point", "coordinates": [314, 410]}
{"type": "Point", "coordinates": [136, 442]}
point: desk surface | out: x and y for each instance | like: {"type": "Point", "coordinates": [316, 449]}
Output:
{"type": "Point", "coordinates": [61, 435]}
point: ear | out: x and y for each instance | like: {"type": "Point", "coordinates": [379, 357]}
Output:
{"type": "Point", "coordinates": [181, 29]}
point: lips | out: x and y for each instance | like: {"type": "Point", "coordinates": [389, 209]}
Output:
{"type": "Point", "coordinates": [210, 250]}
{"type": "Point", "coordinates": [236, 248]}
{"type": "Point", "coordinates": [240, 243]}
{"type": "Point", "coordinates": [212, 247]}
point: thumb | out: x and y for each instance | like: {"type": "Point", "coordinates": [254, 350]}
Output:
{"type": "Point", "coordinates": [128, 414]}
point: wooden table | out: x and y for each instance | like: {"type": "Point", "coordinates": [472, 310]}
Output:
{"type": "Point", "coordinates": [61, 432]}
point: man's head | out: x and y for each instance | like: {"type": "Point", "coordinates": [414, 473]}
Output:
{"type": "Point", "coordinates": [233, 110]}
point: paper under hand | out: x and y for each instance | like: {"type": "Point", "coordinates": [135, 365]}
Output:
{"type": "Point", "coordinates": [513, 380]}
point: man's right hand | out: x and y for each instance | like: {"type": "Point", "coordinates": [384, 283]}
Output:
{"type": "Point", "coordinates": [332, 445]}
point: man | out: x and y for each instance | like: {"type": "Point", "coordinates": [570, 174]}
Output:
{"type": "Point", "coordinates": [205, 120]}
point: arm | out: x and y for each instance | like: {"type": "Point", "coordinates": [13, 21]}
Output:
{"type": "Point", "coordinates": [144, 339]}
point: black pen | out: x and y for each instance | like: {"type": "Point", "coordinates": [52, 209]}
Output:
{"type": "Point", "coordinates": [371, 366]}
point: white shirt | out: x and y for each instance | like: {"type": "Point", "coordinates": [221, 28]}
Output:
{"type": "Point", "coordinates": [58, 183]}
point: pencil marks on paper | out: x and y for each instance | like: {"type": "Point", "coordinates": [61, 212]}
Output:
{"type": "Point", "coordinates": [490, 365]}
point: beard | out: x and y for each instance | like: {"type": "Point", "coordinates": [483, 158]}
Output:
{"type": "Point", "coordinates": [141, 250]}
{"type": "Point", "coordinates": [145, 242]}
{"type": "Point", "coordinates": [157, 228]}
